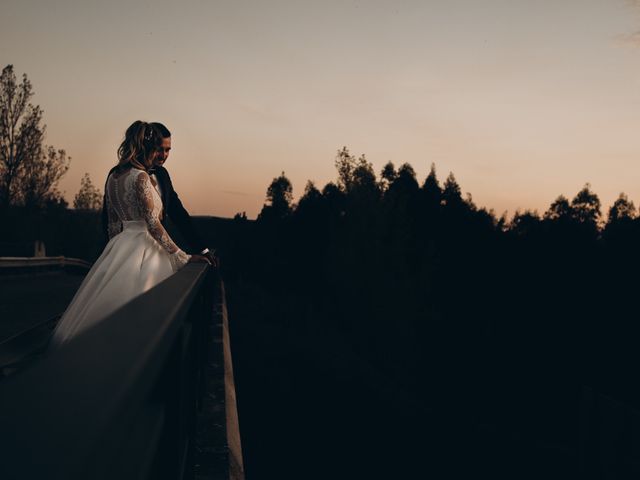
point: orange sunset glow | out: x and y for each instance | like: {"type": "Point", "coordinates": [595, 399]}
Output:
{"type": "Point", "coordinates": [522, 100]}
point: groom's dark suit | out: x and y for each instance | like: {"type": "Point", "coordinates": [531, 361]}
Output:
{"type": "Point", "coordinates": [172, 208]}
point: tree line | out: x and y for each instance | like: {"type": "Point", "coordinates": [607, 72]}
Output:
{"type": "Point", "coordinates": [31, 170]}
{"type": "Point", "coordinates": [502, 319]}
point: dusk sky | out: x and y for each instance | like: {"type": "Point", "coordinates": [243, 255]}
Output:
{"type": "Point", "coordinates": [522, 100]}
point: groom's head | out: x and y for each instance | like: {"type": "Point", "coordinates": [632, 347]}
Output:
{"type": "Point", "coordinates": [166, 144]}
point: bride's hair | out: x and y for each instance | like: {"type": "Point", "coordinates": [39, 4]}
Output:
{"type": "Point", "coordinates": [141, 140]}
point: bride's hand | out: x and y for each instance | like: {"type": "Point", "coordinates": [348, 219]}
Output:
{"type": "Point", "coordinates": [199, 259]}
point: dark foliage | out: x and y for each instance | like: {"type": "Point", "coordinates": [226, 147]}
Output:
{"type": "Point", "coordinates": [65, 232]}
{"type": "Point", "coordinates": [375, 312]}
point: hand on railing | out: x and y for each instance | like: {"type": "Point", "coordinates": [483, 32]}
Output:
{"type": "Point", "coordinates": [214, 261]}
{"type": "Point", "coordinates": [199, 259]}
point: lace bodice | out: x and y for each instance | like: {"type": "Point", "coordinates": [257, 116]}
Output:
{"type": "Point", "coordinates": [132, 197]}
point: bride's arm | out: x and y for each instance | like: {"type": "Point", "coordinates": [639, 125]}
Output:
{"type": "Point", "coordinates": [144, 198]}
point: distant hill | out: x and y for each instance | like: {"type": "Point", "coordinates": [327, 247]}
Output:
{"type": "Point", "coordinates": [217, 232]}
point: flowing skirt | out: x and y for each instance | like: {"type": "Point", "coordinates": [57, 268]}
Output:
{"type": "Point", "coordinates": [131, 263]}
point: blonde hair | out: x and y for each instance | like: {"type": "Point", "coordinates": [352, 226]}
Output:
{"type": "Point", "coordinates": [141, 141]}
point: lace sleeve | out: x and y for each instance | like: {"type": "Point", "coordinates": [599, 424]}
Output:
{"type": "Point", "coordinates": [144, 199]}
{"type": "Point", "coordinates": [114, 225]}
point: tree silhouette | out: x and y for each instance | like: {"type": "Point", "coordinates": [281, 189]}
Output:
{"type": "Point", "coordinates": [88, 197]}
{"type": "Point", "coordinates": [279, 199]}
{"type": "Point", "coordinates": [524, 223]}
{"type": "Point", "coordinates": [405, 182]}
{"type": "Point", "coordinates": [585, 206]}
{"type": "Point", "coordinates": [311, 196]}
{"type": "Point", "coordinates": [622, 230]}
{"type": "Point", "coordinates": [29, 170]}
{"type": "Point", "coordinates": [451, 195]}
{"type": "Point", "coordinates": [363, 174]}
{"type": "Point", "coordinates": [621, 210]}
{"type": "Point", "coordinates": [364, 188]}
{"type": "Point", "coordinates": [559, 209]}
{"type": "Point", "coordinates": [41, 177]}
{"type": "Point", "coordinates": [431, 188]}
{"type": "Point", "coordinates": [387, 176]}
{"type": "Point", "coordinates": [345, 164]}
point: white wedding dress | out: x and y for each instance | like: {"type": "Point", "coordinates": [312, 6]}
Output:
{"type": "Point", "coordinates": [140, 254]}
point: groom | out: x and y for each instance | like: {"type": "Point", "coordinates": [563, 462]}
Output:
{"type": "Point", "coordinates": [170, 201]}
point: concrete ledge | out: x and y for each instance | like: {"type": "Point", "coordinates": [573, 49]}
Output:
{"type": "Point", "coordinates": [31, 262]}
{"type": "Point", "coordinates": [236, 465]}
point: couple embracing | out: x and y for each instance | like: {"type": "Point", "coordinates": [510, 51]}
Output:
{"type": "Point", "coordinates": [140, 253]}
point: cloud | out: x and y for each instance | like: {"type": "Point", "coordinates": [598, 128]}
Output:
{"type": "Point", "coordinates": [630, 38]}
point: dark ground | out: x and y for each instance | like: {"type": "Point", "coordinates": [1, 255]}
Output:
{"type": "Point", "coordinates": [310, 407]}
{"type": "Point", "coordinates": [28, 299]}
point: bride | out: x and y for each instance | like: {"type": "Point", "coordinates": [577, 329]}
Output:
{"type": "Point", "coordinates": [140, 253]}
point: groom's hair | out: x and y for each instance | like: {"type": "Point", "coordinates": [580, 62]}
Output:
{"type": "Point", "coordinates": [140, 140]}
{"type": "Point", "coordinates": [164, 131]}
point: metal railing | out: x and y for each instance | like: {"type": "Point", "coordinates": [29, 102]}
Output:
{"type": "Point", "coordinates": [24, 344]}
{"type": "Point", "coordinates": [19, 349]}
{"type": "Point", "coordinates": [120, 400]}
{"type": "Point", "coordinates": [31, 264]}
